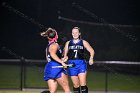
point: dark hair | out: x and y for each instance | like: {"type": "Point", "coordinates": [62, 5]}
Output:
{"type": "Point", "coordinates": [77, 28]}
{"type": "Point", "coordinates": [51, 33]}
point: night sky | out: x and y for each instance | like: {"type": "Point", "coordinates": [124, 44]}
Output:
{"type": "Point", "coordinates": [21, 21]}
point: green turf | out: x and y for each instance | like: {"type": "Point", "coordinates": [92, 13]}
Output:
{"type": "Point", "coordinates": [10, 78]}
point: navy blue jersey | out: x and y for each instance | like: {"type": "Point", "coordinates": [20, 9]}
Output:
{"type": "Point", "coordinates": [58, 53]}
{"type": "Point", "coordinates": [76, 50]}
{"type": "Point", "coordinates": [53, 73]}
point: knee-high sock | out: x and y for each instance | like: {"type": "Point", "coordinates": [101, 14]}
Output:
{"type": "Point", "coordinates": [46, 91]}
{"type": "Point", "coordinates": [76, 90]}
{"type": "Point", "coordinates": [84, 89]}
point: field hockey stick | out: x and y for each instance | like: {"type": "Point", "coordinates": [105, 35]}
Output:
{"type": "Point", "coordinates": [69, 65]}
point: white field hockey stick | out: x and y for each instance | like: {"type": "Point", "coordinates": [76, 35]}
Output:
{"type": "Point", "coordinates": [69, 65]}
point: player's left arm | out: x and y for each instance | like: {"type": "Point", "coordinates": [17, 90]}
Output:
{"type": "Point", "coordinates": [90, 50]}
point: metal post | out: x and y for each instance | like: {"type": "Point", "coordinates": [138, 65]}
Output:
{"type": "Point", "coordinates": [106, 81]}
{"type": "Point", "coordinates": [22, 73]}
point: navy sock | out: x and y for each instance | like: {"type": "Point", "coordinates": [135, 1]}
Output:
{"type": "Point", "coordinates": [84, 89]}
{"type": "Point", "coordinates": [76, 90]}
{"type": "Point", "coordinates": [46, 91]}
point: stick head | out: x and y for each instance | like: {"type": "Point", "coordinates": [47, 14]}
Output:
{"type": "Point", "coordinates": [72, 65]}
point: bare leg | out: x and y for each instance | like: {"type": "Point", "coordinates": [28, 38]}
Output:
{"type": "Point", "coordinates": [52, 84]}
{"type": "Point", "coordinates": [75, 81]}
{"type": "Point", "coordinates": [82, 78]}
{"type": "Point", "coordinates": [76, 84]}
{"type": "Point", "coordinates": [64, 83]}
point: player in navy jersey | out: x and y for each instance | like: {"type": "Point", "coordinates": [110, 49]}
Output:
{"type": "Point", "coordinates": [54, 76]}
{"type": "Point", "coordinates": [74, 51]}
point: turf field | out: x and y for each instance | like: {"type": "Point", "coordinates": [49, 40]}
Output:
{"type": "Point", "coordinates": [33, 78]}
{"type": "Point", "coordinates": [11, 91]}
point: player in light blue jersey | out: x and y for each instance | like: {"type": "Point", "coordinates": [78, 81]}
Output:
{"type": "Point", "coordinates": [74, 51]}
{"type": "Point", "coordinates": [54, 76]}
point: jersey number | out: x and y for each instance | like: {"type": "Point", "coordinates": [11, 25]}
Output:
{"type": "Point", "coordinates": [75, 53]}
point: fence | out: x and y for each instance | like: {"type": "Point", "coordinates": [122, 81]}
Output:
{"type": "Point", "coordinates": [103, 75]}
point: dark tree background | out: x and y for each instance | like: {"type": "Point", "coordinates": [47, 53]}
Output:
{"type": "Point", "coordinates": [21, 22]}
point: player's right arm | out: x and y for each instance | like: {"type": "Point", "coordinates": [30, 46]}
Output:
{"type": "Point", "coordinates": [53, 49]}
